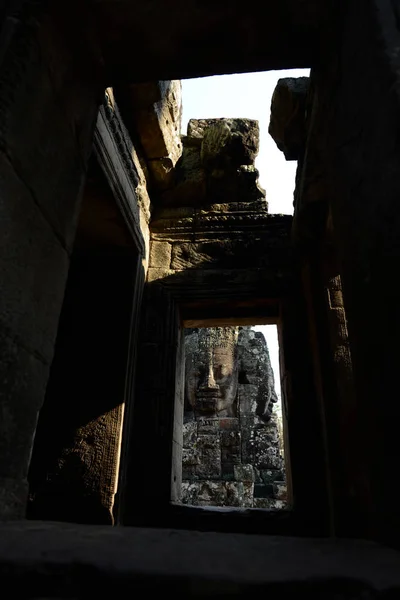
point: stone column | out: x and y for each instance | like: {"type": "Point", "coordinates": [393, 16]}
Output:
{"type": "Point", "coordinates": [358, 91]}
{"type": "Point", "coordinates": [334, 382]}
{"type": "Point", "coordinates": [153, 458]}
{"type": "Point", "coordinates": [307, 468]}
{"type": "Point", "coordinates": [349, 483]}
{"type": "Point", "coordinates": [50, 88]}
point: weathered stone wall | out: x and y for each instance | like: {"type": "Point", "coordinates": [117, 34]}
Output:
{"type": "Point", "coordinates": [347, 227]}
{"type": "Point", "coordinates": [212, 229]}
{"type": "Point", "coordinates": [357, 90]}
{"type": "Point", "coordinates": [232, 451]}
{"type": "Point", "coordinates": [152, 113]}
{"type": "Point", "coordinates": [75, 465]}
{"type": "Point", "coordinates": [217, 165]}
{"type": "Point", "coordinates": [50, 88]}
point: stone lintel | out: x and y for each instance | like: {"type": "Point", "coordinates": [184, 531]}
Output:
{"type": "Point", "coordinates": [209, 39]}
{"type": "Point", "coordinates": [214, 224]}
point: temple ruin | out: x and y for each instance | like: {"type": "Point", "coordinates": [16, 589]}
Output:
{"type": "Point", "coordinates": [119, 236]}
{"type": "Point", "coordinates": [233, 452]}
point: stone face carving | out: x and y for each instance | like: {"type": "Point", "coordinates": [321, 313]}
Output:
{"type": "Point", "coordinates": [232, 445]}
{"type": "Point", "coordinates": [211, 363]}
{"type": "Point", "coordinates": [256, 370]}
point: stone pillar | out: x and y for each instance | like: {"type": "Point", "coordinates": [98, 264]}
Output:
{"type": "Point", "coordinates": [307, 468]}
{"type": "Point", "coordinates": [334, 383]}
{"type": "Point", "coordinates": [157, 414]}
{"type": "Point", "coordinates": [50, 88]}
{"type": "Point", "coordinates": [358, 95]}
{"type": "Point", "coordinates": [349, 483]}
{"type": "Point", "coordinates": [75, 462]}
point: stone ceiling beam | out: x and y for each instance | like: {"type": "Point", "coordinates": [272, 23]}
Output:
{"type": "Point", "coordinates": [153, 39]}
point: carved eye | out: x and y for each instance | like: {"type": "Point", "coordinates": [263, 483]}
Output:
{"type": "Point", "coordinates": [222, 371]}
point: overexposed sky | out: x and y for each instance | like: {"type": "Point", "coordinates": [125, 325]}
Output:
{"type": "Point", "coordinates": [249, 96]}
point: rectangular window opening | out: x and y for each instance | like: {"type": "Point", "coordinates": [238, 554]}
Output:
{"type": "Point", "coordinates": [232, 444]}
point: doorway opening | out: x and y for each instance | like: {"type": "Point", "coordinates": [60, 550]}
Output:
{"type": "Point", "coordinates": [75, 460]}
{"type": "Point", "coordinates": [233, 453]}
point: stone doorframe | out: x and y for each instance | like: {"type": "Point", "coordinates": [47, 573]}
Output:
{"type": "Point", "coordinates": [117, 158]}
{"type": "Point", "coordinates": [74, 476]}
{"type": "Point", "coordinates": [218, 270]}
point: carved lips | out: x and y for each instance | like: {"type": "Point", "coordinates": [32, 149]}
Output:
{"type": "Point", "coordinates": [207, 401]}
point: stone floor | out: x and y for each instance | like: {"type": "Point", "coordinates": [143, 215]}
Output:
{"type": "Point", "coordinates": [54, 560]}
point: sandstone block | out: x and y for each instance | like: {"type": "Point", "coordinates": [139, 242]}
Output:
{"type": "Point", "coordinates": [210, 426]}
{"type": "Point", "coordinates": [229, 424]}
{"type": "Point", "coordinates": [160, 255]}
{"type": "Point", "coordinates": [156, 273]}
{"type": "Point", "coordinates": [234, 493]}
{"type": "Point", "coordinates": [189, 433]}
{"type": "Point", "coordinates": [24, 380]}
{"type": "Point", "coordinates": [197, 127]}
{"type": "Point", "coordinates": [268, 458]}
{"type": "Point", "coordinates": [157, 113]}
{"type": "Point", "coordinates": [229, 143]}
{"type": "Point", "coordinates": [269, 504]}
{"type": "Point", "coordinates": [248, 494]}
{"type": "Point", "coordinates": [209, 466]}
{"type": "Point", "coordinates": [190, 181]}
{"type": "Point", "coordinates": [33, 267]}
{"type": "Point", "coordinates": [244, 472]}
{"type": "Point", "coordinates": [162, 172]}
{"type": "Point", "coordinates": [212, 493]}
{"type": "Point", "coordinates": [190, 456]}
{"type": "Point", "coordinates": [287, 123]}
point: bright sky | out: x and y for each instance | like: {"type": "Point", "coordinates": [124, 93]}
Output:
{"type": "Point", "coordinates": [249, 96]}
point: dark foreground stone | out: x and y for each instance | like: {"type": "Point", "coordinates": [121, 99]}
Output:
{"type": "Point", "coordinates": [54, 560]}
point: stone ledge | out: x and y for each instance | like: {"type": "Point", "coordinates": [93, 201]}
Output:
{"type": "Point", "coordinates": [54, 559]}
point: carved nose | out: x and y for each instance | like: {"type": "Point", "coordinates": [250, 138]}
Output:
{"type": "Point", "coordinates": [208, 381]}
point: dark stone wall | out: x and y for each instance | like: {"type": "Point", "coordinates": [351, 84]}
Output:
{"type": "Point", "coordinates": [155, 436]}
{"type": "Point", "coordinates": [358, 98]}
{"type": "Point", "coordinates": [50, 87]}
{"type": "Point", "coordinates": [74, 467]}
{"type": "Point", "coordinates": [305, 443]}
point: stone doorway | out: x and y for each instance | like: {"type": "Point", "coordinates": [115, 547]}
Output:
{"type": "Point", "coordinates": [233, 445]}
{"type": "Point", "coordinates": [75, 462]}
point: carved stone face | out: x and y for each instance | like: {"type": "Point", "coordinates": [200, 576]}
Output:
{"type": "Point", "coordinates": [212, 371]}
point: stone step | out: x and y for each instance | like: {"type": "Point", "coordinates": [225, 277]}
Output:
{"type": "Point", "coordinates": [54, 560]}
